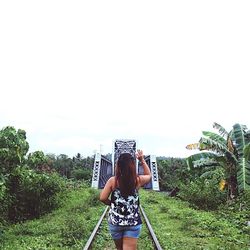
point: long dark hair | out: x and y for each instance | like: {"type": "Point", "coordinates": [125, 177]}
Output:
{"type": "Point", "coordinates": [125, 174]}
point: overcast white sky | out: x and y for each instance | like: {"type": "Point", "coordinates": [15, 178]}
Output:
{"type": "Point", "coordinates": [77, 74]}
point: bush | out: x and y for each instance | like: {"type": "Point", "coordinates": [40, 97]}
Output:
{"type": "Point", "coordinates": [93, 198]}
{"type": "Point", "coordinates": [82, 174]}
{"type": "Point", "coordinates": [172, 173]}
{"type": "Point", "coordinates": [237, 211]}
{"type": "Point", "coordinates": [203, 194]}
{"type": "Point", "coordinates": [24, 194]}
{"type": "Point", "coordinates": [34, 194]}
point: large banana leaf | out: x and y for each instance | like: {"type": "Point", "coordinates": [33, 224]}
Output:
{"type": "Point", "coordinates": [214, 146]}
{"type": "Point", "coordinates": [247, 152]}
{"type": "Point", "coordinates": [243, 166]}
{"type": "Point", "coordinates": [207, 157]}
{"type": "Point", "coordinates": [215, 137]}
{"type": "Point", "coordinates": [222, 130]}
{"type": "Point", "coordinates": [193, 146]}
{"type": "Point", "coordinates": [197, 145]}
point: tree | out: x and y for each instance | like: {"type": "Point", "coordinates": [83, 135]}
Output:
{"type": "Point", "coordinates": [24, 193]}
{"type": "Point", "coordinates": [172, 172]}
{"type": "Point", "coordinates": [13, 148]}
{"type": "Point", "coordinates": [37, 159]}
{"type": "Point", "coordinates": [64, 165]}
{"type": "Point", "coordinates": [229, 150]}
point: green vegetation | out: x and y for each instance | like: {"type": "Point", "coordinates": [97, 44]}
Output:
{"type": "Point", "coordinates": [76, 168]}
{"type": "Point", "coordinates": [32, 185]}
{"type": "Point", "coordinates": [172, 173]}
{"type": "Point", "coordinates": [178, 226]}
{"type": "Point", "coordinates": [25, 193]}
{"type": "Point", "coordinates": [228, 151]}
{"type": "Point", "coordinates": [46, 202]}
{"type": "Point", "coordinates": [203, 192]}
{"type": "Point", "coordinates": [67, 227]}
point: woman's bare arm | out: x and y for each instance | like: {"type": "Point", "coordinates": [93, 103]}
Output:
{"type": "Point", "coordinates": [104, 195]}
{"type": "Point", "coordinates": [146, 177]}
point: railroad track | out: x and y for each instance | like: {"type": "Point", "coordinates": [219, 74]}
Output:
{"type": "Point", "coordinates": [91, 239]}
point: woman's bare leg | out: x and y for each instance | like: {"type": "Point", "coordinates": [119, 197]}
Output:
{"type": "Point", "coordinates": [129, 243]}
{"type": "Point", "coordinates": [118, 244]}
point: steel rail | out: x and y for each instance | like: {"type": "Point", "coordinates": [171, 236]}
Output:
{"type": "Point", "coordinates": [92, 236]}
{"type": "Point", "coordinates": [155, 240]}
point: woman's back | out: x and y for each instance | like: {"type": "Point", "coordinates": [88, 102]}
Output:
{"type": "Point", "coordinates": [124, 211]}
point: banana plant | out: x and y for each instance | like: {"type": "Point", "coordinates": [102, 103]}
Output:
{"type": "Point", "coordinates": [229, 150]}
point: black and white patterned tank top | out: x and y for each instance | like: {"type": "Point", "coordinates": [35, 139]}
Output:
{"type": "Point", "coordinates": [124, 211]}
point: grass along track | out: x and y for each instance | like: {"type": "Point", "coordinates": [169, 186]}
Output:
{"type": "Point", "coordinates": [175, 223]}
{"type": "Point", "coordinates": [178, 226]}
{"type": "Point", "coordinates": [66, 228]}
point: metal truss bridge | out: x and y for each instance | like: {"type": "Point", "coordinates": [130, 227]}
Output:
{"type": "Point", "coordinates": [104, 168]}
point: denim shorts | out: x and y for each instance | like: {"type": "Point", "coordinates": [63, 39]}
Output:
{"type": "Point", "coordinates": [118, 232]}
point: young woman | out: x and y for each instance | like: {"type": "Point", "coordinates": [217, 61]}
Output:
{"type": "Point", "coordinates": [124, 218]}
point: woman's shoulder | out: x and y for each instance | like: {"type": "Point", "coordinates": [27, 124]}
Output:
{"type": "Point", "coordinates": [111, 182]}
